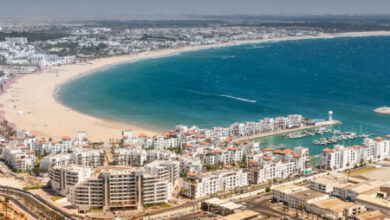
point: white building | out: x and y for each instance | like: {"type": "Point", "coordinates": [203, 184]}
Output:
{"type": "Point", "coordinates": [341, 157]}
{"type": "Point", "coordinates": [62, 178]}
{"type": "Point", "coordinates": [198, 186]}
{"type": "Point", "coordinates": [19, 158]}
{"type": "Point", "coordinates": [118, 187]}
{"type": "Point", "coordinates": [297, 196]}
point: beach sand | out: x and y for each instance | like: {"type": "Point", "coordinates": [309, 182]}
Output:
{"type": "Point", "coordinates": [44, 116]}
{"type": "Point", "coordinates": [383, 110]}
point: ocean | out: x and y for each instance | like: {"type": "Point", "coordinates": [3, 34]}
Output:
{"type": "Point", "coordinates": [220, 86]}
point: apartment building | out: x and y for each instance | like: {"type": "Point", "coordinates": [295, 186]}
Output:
{"type": "Point", "coordinates": [341, 157]}
{"type": "Point", "coordinates": [79, 156]}
{"type": "Point", "coordinates": [19, 158]}
{"type": "Point", "coordinates": [88, 157]}
{"type": "Point", "coordinates": [190, 164]}
{"type": "Point", "coordinates": [55, 160]}
{"type": "Point", "coordinates": [198, 186]}
{"type": "Point", "coordinates": [118, 187]}
{"type": "Point", "coordinates": [63, 177]}
{"type": "Point", "coordinates": [278, 164]}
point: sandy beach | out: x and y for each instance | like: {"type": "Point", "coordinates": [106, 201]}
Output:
{"type": "Point", "coordinates": [34, 95]}
{"type": "Point", "coordinates": [383, 110]}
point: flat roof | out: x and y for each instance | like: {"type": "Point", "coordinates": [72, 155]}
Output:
{"type": "Point", "coordinates": [366, 186]}
{"type": "Point", "coordinates": [374, 200]}
{"type": "Point", "coordinates": [334, 204]}
{"type": "Point", "coordinates": [340, 180]}
{"type": "Point", "coordinates": [224, 203]}
{"type": "Point", "coordinates": [289, 189]}
{"type": "Point", "coordinates": [308, 194]}
{"type": "Point", "coordinates": [372, 215]}
{"type": "Point", "coordinates": [241, 215]}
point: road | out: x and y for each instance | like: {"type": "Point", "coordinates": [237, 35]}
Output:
{"type": "Point", "coordinates": [21, 206]}
{"type": "Point", "coordinates": [263, 205]}
{"type": "Point", "coordinates": [37, 200]}
{"type": "Point", "coordinates": [200, 214]}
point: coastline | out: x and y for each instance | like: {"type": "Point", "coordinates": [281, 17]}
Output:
{"type": "Point", "coordinates": [44, 115]}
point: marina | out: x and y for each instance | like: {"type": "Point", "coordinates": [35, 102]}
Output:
{"type": "Point", "coordinates": [342, 137]}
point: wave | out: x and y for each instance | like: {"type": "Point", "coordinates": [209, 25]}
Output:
{"type": "Point", "coordinates": [197, 92]}
{"type": "Point", "coordinates": [237, 98]}
{"type": "Point", "coordinates": [228, 57]}
{"type": "Point", "coordinates": [220, 95]}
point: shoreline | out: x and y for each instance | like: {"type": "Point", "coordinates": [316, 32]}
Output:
{"type": "Point", "coordinates": [44, 115]}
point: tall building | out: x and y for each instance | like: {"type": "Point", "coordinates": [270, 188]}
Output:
{"type": "Point", "coordinates": [118, 187]}
{"type": "Point", "coordinates": [62, 178]}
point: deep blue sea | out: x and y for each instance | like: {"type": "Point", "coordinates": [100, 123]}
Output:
{"type": "Point", "coordinates": [219, 86]}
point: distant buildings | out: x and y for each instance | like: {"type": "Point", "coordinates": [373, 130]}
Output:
{"type": "Point", "coordinates": [49, 60]}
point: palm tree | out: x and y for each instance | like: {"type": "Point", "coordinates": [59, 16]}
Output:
{"type": "Point", "coordinates": [6, 206]}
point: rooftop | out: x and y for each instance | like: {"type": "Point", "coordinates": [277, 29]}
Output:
{"type": "Point", "coordinates": [334, 204]}
{"type": "Point", "coordinates": [374, 200]}
{"type": "Point", "coordinates": [246, 214]}
{"type": "Point", "coordinates": [372, 215]}
{"type": "Point", "coordinates": [308, 194]}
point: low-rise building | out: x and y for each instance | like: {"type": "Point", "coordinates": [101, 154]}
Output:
{"type": "Point", "coordinates": [297, 196]}
{"type": "Point", "coordinates": [334, 208]}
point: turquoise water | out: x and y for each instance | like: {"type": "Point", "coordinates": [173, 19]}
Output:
{"type": "Point", "coordinates": [219, 86]}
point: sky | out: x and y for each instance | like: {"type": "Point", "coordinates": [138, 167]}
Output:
{"type": "Point", "coordinates": [156, 8]}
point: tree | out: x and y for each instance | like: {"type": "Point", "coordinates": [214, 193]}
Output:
{"type": "Point", "coordinates": [301, 207]}
{"type": "Point", "coordinates": [268, 189]}
{"type": "Point", "coordinates": [6, 206]}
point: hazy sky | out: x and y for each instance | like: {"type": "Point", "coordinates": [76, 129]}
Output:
{"type": "Point", "coordinates": [133, 8]}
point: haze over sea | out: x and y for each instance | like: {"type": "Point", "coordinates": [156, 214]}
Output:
{"type": "Point", "coordinates": [219, 86]}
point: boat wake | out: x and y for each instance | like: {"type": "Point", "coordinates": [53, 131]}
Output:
{"type": "Point", "coordinates": [220, 95]}
{"type": "Point", "coordinates": [237, 98]}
